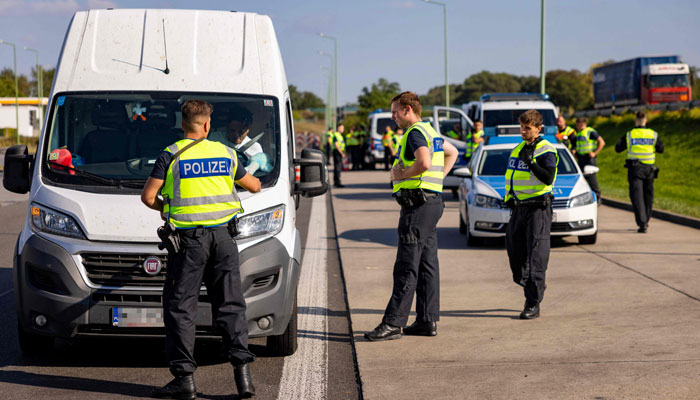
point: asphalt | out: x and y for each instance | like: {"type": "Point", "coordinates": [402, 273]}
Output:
{"type": "Point", "coordinates": [620, 319]}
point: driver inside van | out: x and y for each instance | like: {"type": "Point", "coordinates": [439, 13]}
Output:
{"type": "Point", "coordinates": [236, 137]}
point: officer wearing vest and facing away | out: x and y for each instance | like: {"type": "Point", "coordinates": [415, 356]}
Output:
{"type": "Point", "coordinates": [532, 170]}
{"type": "Point", "coordinates": [586, 147]}
{"type": "Point", "coordinates": [641, 144]}
{"type": "Point", "coordinates": [338, 146]}
{"type": "Point", "coordinates": [196, 180]}
{"type": "Point", "coordinates": [424, 159]}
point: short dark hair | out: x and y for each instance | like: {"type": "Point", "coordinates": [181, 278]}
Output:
{"type": "Point", "coordinates": [641, 115]}
{"type": "Point", "coordinates": [476, 120]}
{"type": "Point", "coordinates": [408, 99]}
{"type": "Point", "coordinates": [193, 109]}
{"type": "Point", "coordinates": [582, 120]}
{"type": "Point", "coordinates": [530, 117]}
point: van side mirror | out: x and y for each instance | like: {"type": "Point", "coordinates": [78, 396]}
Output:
{"type": "Point", "coordinates": [17, 169]}
{"type": "Point", "coordinates": [463, 172]}
{"type": "Point", "coordinates": [313, 174]}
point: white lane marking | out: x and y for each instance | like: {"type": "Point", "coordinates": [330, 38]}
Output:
{"type": "Point", "coordinates": [305, 373]}
{"type": "Point", "coordinates": [6, 292]}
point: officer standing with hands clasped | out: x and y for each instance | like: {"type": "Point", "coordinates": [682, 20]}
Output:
{"type": "Point", "coordinates": [200, 206]}
{"type": "Point", "coordinates": [641, 144]}
{"type": "Point", "coordinates": [424, 159]}
{"type": "Point", "coordinates": [587, 145]}
{"type": "Point", "coordinates": [532, 170]}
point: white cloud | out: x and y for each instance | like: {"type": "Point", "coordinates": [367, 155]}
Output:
{"type": "Point", "coordinates": [92, 4]}
{"type": "Point", "coordinates": [403, 4]}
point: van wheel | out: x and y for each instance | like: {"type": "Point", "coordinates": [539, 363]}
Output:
{"type": "Point", "coordinates": [589, 239]}
{"type": "Point", "coordinates": [34, 345]}
{"type": "Point", "coordinates": [286, 343]}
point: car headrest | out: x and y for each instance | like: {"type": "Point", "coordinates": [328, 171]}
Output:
{"type": "Point", "coordinates": [110, 115]}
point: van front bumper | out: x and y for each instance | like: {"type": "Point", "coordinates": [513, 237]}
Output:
{"type": "Point", "coordinates": [48, 281]}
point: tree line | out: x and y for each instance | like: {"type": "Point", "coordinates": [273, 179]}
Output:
{"type": "Point", "coordinates": [26, 86]}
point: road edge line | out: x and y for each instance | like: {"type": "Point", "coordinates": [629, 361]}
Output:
{"type": "Point", "coordinates": [662, 215]}
{"type": "Point", "coordinates": [358, 378]}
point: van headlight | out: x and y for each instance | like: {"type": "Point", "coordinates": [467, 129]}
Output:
{"type": "Point", "coordinates": [50, 221]}
{"type": "Point", "coordinates": [266, 222]}
{"type": "Point", "coordinates": [486, 201]}
{"type": "Point", "coordinates": [582, 200]}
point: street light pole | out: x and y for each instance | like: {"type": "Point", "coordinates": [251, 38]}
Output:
{"type": "Point", "coordinates": [331, 80]}
{"type": "Point", "coordinates": [335, 80]}
{"type": "Point", "coordinates": [542, 75]}
{"type": "Point", "coordinates": [447, 84]}
{"type": "Point", "coordinates": [39, 85]}
{"type": "Point", "coordinates": [328, 99]}
{"type": "Point", "coordinates": [14, 55]}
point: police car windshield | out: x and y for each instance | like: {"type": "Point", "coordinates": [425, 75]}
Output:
{"type": "Point", "coordinates": [118, 136]}
{"type": "Point", "coordinates": [493, 118]}
{"type": "Point", "coordinates": [494, 162]}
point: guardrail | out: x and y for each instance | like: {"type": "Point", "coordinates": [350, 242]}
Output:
{"type": "Point", "coordinates": [606, 112]}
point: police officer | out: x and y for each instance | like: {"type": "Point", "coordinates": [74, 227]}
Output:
{"type": "Point", "coordinates": [202, 209]}
{"type": "Point", "coordinates": [455, 132]}
{"type": "Point", "coordinates": [588, 144]}
{"type": "Point", "coordinates": [389, 149]}
{"type": "Point", "coordinates": [338, 146]}
{"type": "Point", "coordinates": [641, 144]}
{"type": "Point", "coordinates": [565, 133]}
{"type": "Point", "coordinates": [353, 145]}
{"type": "Point", "coordinates": [423, 161]}
{"type": "Point", "coordinates": [473, 139]}
{"type": "Point", "coordinates": [532, 170]}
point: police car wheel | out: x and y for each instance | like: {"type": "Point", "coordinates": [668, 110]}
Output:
{"type": "Point", "coordinates": [32, 344]}
{"type": "Point", "coordinates": [462, 225]}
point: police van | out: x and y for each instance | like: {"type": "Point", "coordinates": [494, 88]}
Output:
{"type": "Point", "coordinates": [87, 261]}
{"type": "Point", "coordinates": [499, 112]}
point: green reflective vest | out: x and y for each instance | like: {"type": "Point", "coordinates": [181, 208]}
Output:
{"type": "Point", "coordinates": [521, 183]}
{"type": "Point", "coordinates": [395, 140]}
{"type": "Point", "coordinates": [387, 138]}
{"type": "Point", "coordinates": [433, 177]}
{"type": "Point", "coordinates": [568, 133]}
{"type": "Point", "coordinates": [352, 139]}
{"type": "Point", "coordinates": [453, 134]}
{"type": "Point", "coordinates": [199, 188]}
{"type": "Point", "coordinates": [584, 144]}
{"type": "Point", "coordinates": [641, 145]}
{"type": "Point", "coordinates": [338, 138]}
{"type": "Point", "coordinates": [471, 146]}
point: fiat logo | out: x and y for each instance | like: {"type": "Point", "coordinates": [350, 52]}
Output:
{"type": "Point", "coordinates": [152, 266]}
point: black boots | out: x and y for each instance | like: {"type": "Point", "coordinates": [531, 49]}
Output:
{"type": "Point", "coordinates": [383, 331]}
{"type": "Point", "coordinates": [530, 312]}
{"type": "Point", "coordinates": [181, 388]}
{"type": "Point", "coordinates": [244, 381]}
{"type": "Point", "coordinates": [421, 329]}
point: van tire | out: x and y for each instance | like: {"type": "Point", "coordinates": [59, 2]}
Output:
{"type": "Point", "coordinates": [34, 345]}
{"type": "Point", "coordinates": [588, 239]}
{"type": "Point", "coordinates": [285, 344]}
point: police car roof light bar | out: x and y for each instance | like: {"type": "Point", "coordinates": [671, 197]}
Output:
{"type": "Point", "coordinates": [513, 97]}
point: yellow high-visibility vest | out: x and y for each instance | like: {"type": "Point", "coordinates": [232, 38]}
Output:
{"type": "Point", "coordinates": [433, 177]}
{"type": "Point", "coordinates": [641, 145]}
{"type": "Point", "coordinates": [520, 181]}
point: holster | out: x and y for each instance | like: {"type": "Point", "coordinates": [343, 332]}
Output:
{"type": "Point", "coordinates": [169, 238]}
{"type": "Point", "coordinates": [632, 163]}
{"type": "Point", "coordinates": [543, 201]}
{"type": "Point", "coordinates": [655, 170]}
{"type": "Point", "coordinates": [233, 228]}
{"type": "Point", "coordinates": [410, 198]}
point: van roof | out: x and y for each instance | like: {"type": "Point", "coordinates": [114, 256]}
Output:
{"type": "Point", "coordinates": [207, 51]}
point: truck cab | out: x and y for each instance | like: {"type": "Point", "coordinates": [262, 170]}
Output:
{"type": "Point", "coordinates": [87, 261]}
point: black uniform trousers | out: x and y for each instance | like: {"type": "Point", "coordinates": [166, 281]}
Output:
{"type": "Point", "coordinates": [592, 179]}
{"type": "Point", "coordinates": [209, 255]}
{"type": "Point", "coordinates": [337, 167]}
{"type": "Point", "coordinates": [528, 242]}
{"type": "Point", "coordinates": [388, 159]}
{"type": "Point", "coordinates": [416, 269]}
{"type": "Point", "coordinates": [641, 187]}
{"type": "Point", "coordinates": [356, 156]}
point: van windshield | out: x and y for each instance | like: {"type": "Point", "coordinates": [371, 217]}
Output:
{"type": "Point", "coordinates": [493, 118]}
{"type": "Point", "coordinates": [382, 123]}
{"type": "Point", "coordinates": [495, 162]}
{"type": "Point", "coordinates": [112, 140]}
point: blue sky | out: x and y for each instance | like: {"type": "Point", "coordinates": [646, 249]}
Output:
{"type": "Point", "coordinates": [402, 40]}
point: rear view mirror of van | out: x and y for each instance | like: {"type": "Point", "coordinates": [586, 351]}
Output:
{"type": "Point", "coordinates": [313, 176]}
{"type": "Point", "coordinates": [17, 172]}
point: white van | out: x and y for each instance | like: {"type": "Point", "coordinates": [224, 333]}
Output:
{"type": "Point", "coordinates": [87, 260]}
{"type": "Point", "coordinates": [499, 112]}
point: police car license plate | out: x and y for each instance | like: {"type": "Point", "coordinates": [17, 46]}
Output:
{"type": "Point", "coordinates": [131, 317]}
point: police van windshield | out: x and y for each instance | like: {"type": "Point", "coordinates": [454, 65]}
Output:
{"type": "Point", "coordinates": [382, 123]}
{"type": "Point", "coordinates": [495, 162]}
{"type": "Point", "coordinates": [493, 118]}
{"type": "Point", "coordinates": [102, 141]}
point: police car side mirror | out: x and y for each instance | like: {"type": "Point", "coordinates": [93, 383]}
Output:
{"type": "Point", "coordinates": [17, 169]}
{"type": "Point", "coordinates": [590, 170]}
{"type": "Point", "coordinates": [313, 174]}
{"type": "Point", "coordinates": [463, 172]}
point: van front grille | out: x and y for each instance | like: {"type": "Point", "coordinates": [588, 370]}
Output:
{"type": "Point", "coordinates": [109, 269]}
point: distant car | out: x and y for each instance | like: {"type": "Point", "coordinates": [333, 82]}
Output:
{"type": "Point", "coordinates": [483, 213]}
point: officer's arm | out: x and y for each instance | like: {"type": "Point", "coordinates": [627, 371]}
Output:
{"type": "Point", "coordinates": [249, 183]}
{"type": "Point", "coordinates": [422, 163]}
{"type": "Point", "coordinates": [601, 144]}
{"type": "Point", "coordinates": [621, 144]}
{"type": "Point", "coordinates": [476, 139]}
{"type": "Point", "coordinates": [659, 146]}
{"type": "Point", "coordinates": [451, 154]}
{"type": "Point", "coordinates": [149, 194]}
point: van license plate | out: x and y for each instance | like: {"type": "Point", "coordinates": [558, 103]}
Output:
{"type": "Point", "coordinates": [132, 317]}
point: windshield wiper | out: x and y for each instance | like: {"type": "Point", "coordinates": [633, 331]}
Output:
{"type": "Point", "coordinates": [132, 183]}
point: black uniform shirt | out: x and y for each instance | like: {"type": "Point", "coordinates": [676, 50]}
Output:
{"type": "Point", "coordinates": [414, 141]}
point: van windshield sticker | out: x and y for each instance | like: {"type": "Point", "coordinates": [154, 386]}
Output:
{"type": "Point", "coordinates": [61, 100]}
{"type": "Point", "coordinates": [267, 103]}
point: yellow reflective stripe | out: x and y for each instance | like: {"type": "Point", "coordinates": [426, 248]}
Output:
{"type": "Point", "coordinates": [204, 216]}
{"type": "Point", "coordinates": [205, 200]}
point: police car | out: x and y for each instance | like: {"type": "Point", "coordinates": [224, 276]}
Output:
{"type": "Point", "coordinates": [483, 213]}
